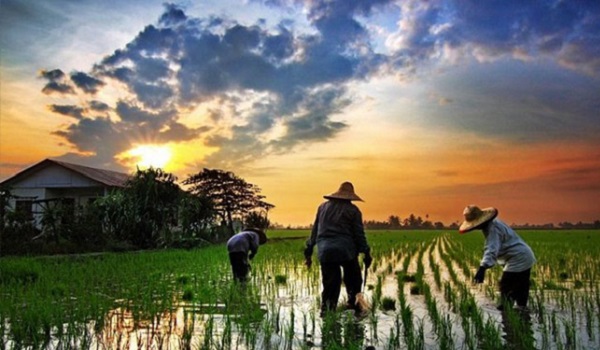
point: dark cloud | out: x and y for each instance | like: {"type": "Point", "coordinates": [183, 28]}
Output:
{"type": "Point", "coordinates": [172, 15]}
{"type": "Point", "coordinates": [98, 136]}
{"type": "Point", "coordinates": [99, 106]}
{"type": "Point", "coordinates": [178, 132]}
{"type": "Point", "coordinates": [296, 83]}
{"type": "Point", "coordinates": [68, 110]}
{"type": "Point", "coordinates": [134, 115]}
{"type": "Point", "coordinates": [53, 87]}
{"type": "Point", "coordinates": [181, 62]}
{"type": "Point", "coordinates": [86, 82]}
{"type": "Point", "coordinates": [56, 82]}
{"type": "Point", "coordinates": [513, 100]}
{"type": "Point", "coordinates": [566, 31]}
{"type": "Point", "coordinates": [52, 75]}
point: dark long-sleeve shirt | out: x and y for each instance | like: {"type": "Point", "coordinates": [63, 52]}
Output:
{"type": "Point", "coordinates": [243, 242]}
{"type": "Point", "coordinates": [338, 232]}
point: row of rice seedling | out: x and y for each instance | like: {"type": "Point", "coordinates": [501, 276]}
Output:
{"type": "Point", "coordinates": [419, 286]}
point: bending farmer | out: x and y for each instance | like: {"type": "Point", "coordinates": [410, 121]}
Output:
{"type": "Point", "coordinates": [339, 236]}
{"type": "Point", "coordinates": [504, 247]}
{"type": "Point", "coordinates": [239, 246]}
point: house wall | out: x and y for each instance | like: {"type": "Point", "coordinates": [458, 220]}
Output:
{"type": "Point", "coordinates": [55, 176]}
{"type": "Point", "coordinates": [55, 182]}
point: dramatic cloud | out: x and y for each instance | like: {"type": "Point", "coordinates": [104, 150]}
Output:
{"type": "Point", "coordinates": [99, 106]}
{"type": "Point", "coordinates": [56, 82]}
{"type": "Point", "coordinates": [269, 89]}
{"type": "Point", "coordinates": [86, 82]}
{"type": "Point", "coordinates": [565, 31]}
{"type": "Point", "coordinates": [68, 110]}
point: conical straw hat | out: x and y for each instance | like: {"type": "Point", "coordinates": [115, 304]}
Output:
{"type": "Point", "coordinates": [262, 237]}
{"type": "Point", "coordinates": [475, 217]}
{"type": "Point", "coordinates": [346, 191]}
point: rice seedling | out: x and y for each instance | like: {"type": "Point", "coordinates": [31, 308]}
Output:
{"type": "Point", "coordinates": [187, 299]}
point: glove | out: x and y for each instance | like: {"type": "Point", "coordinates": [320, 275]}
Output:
{"type": "Point", "coordinates": [308, 252]}
{"type": "Point", "coordinates": [367, 260]}
{"type": "Point", "coordinates": [480, 275]}
{"type": "Point", "coordinates": [308, 262]}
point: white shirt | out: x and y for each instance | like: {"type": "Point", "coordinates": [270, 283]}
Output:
{"type": "Point", "coordinates": [504, 247]}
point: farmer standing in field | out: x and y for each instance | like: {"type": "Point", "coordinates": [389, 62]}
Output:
{"type": "Point", "coordinates": [239, 246]}
{"type": "Point", "coordinates": [504, 247]}
{"type": "Point", "coordinates": [339, 236]}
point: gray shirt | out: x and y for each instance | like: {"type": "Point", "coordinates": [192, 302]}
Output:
{"type": "Point", "coordinates": [338, 232]}
{"type": "Point", "coordinates": [504, 247]}
{"type": "Point", "coordinates": [243, 242]}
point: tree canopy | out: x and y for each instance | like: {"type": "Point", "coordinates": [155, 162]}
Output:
{"type": "Point", "coordinates": [231, 195]}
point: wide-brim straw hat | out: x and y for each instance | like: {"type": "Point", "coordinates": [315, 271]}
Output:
{"type": "Point", "coordinates": [475, 217]}
{"type": "Point", "coordinates": [262, 237]}
{"type": "Point", "coordinates": [346, 191]}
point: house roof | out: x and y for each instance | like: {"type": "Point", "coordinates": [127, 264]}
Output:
{"type": "Point", "coordinates": [105, 177]}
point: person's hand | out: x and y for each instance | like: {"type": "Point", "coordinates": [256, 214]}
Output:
{"type": "Point", "coordinates": [480, 275]}
{"type": "Point", "coordinates": [308, 252]}
{"type": "Point", "coordinates": [367, 260]}
{"type": "Point", "coordinates": [308, 262]}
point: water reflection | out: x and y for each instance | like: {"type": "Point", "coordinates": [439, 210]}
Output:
{"type": "Point", "coordinates": [186, 326]}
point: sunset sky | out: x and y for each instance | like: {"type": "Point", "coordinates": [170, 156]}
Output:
{"type": "Point", "coordinates": [426, 106]}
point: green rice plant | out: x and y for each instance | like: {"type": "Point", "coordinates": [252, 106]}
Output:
{"type": "Point", "coordinates": [570, 335]}
{"type": "Point", "coordinates": [445, 339]}
{"type": "Point", "coordinates": [518, 329]}
{"type": "Point", "coordinates": [394, 338]}
{"type": "Point", "coordinates": [377, 294]}
{"type": "Point", "coordinates": [490, 337]}
{"type": "Point", "coordinates": [70, 293]}
{"type": "Point", "coordinates": [408, 278]}
{"type": "Point", "coordinates": [280, 279]}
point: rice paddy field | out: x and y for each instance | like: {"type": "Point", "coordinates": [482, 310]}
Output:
{"type": "Point", "coordinates": [419, 287]}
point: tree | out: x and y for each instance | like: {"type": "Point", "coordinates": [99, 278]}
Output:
{"type": "Point", "coordinates": [256, 219]}
{"type": "Point", "coordinates": [196, 216]}
{"type": "Point", "coordinates": [152, 196]}
{"type": "Point", "coordinates": [394, 221]}
{"type": "Point", "coordinates": [231, 195]}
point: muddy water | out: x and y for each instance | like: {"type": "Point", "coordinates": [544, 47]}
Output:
{"type": "Point", "coordinates": [286, 315]}
{"type": "Point", "coordinates": [290, 316]}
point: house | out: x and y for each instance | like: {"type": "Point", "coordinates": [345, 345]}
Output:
{"type": "Point", "coordinates": [51, 180]}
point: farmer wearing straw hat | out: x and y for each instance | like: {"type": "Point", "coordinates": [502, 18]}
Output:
{"type": "Point", "coordinates": [239, 246]}
{"type": "Point", "coordinates": [339, 235]}
{"type": "Point", "coordinates": [504, 247]}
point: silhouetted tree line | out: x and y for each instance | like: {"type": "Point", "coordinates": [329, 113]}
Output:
{"type": "Point", "coordinates": [413, 222]}
{"type": "Point", "coordinates": [152, 211]}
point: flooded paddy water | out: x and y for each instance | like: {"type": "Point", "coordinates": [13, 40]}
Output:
{"type": "Point", "coordinates": [419, 287]}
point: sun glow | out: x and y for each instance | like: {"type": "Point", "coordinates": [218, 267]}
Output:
{"type": "Point", "coordinates": [155, 156]}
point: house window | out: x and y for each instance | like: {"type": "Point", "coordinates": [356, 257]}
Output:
{"type": "Point", "coordinates": [24, 208]}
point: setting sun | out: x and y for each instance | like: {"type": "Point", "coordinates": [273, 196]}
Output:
{"type": "Point", "coordinates": [146, 156]}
